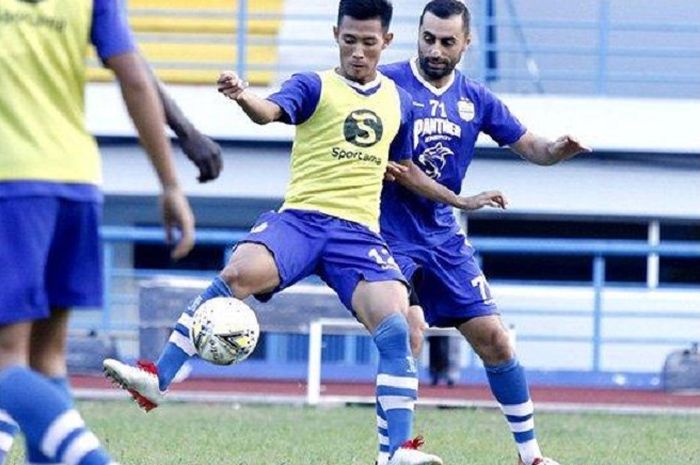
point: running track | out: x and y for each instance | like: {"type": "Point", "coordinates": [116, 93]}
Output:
{"type": "Point", "coordinates": [545, 398]}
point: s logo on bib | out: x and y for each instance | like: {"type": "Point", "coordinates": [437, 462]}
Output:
{"type": "Point", "coordinates": [363, 128]}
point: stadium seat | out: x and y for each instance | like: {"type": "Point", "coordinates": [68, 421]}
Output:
{"type": "Point", "coordinates": [190, 42]}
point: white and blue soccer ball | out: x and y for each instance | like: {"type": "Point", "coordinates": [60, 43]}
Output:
{"type": "Point", "coordinates": [224, 331]}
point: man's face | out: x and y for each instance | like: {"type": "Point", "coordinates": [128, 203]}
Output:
{"type": "Point", "coordinates": [361, 43]}
{"type": "Point", "coordinates": [441, 43]}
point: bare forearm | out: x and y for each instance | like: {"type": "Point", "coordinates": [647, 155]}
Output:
{"type": "Point", "coordinates": [176, 119]}
{"type": "Point", "coordinates": [418, 182]}
{"type": "Point", "coordinates": [542, 151]}
{"type": "Point", "coordinates": [258, 109]}
{"type": "Point", "coordinates": [537, 150]}
{"type": "Point", "coordinates": [146, 111]}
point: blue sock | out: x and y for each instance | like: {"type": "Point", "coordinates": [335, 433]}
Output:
{"type": "Point", "coordinates": [382, 436]}
{"type": "Point", "coordinates": [397, 379]}
{"type": "Point", "coordinates": [8, 431]}
{"type": "Point", "coordinates": [509, 387]}
{"type": "Point", "coordinates": [34, 455]}
{"type": "Point", "coordinates": [179, 348]}
{"type": "Point", "coordinates": [47, 419]}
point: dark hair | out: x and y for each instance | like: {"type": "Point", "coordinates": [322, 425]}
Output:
{"type": "Point", "coordinates": [366, 9]}
{"type": "Point", "coordinates": [447, 8]}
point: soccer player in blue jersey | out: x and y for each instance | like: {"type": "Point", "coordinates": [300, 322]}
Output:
{"type": "Point", "coordinates": [50, 205]}
{"type": "Point", "coordinates": [450, 110]}
{"type": "Point", "coordinates": [350, 121]}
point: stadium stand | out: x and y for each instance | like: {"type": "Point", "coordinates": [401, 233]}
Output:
{"type": "Point", "coordinates": [189, 43]}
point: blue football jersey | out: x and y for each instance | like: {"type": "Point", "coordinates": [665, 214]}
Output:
{"type": "Point", "coordinates": [447, 122]}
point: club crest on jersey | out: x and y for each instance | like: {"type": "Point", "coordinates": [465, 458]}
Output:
{"type": "Point", "coordinates": [434, 159]}
{"type": "Point", "coordinates": [466, 109]}
{"type": "Point", "coordinates": [363, 128]}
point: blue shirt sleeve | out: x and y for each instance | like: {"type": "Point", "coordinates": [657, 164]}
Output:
{"type": "Point", "coordinates": [498, 122]}
{"type": "Point", "coordinates": [110, 32]}
{"type": "Point", "coordinates": [402, 146]}
{"type": "Point", "coordinates": [298, 97]}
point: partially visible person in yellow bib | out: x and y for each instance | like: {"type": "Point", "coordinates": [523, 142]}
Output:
{"type": "Point", "coordinates": [50, 207]}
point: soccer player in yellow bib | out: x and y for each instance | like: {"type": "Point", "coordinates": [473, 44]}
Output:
{"type": "Point", "coordinates": [350, 121]}
{"type": "Point", "coordinates": [50, 205]}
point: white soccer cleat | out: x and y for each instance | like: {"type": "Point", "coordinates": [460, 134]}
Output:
{"type": "Point", "coordinates": [539, 461]}
{"type": "Point", "coordinates": [408, 454]}
{"type": "Point", "coordinates": [140, 381]}
{"type": "Point", "coordinates": [544, 461]}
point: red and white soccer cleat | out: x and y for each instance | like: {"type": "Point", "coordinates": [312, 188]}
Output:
{"type": "Point", "coordinates": [140, 381]}
{"type": "Point", "coordinates": [539, 461]}
{"type": "Point", "coordinates": [408, 454]}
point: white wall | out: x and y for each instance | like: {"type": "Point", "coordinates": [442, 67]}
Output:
{"type": "Point", "coordinates": [588, 187]}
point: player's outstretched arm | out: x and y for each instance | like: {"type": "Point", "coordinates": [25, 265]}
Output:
{"type": "Point", "coordinates": [413, 178]}
{"type": "Point", "coordinates": [200, 149]}
{"type": "Point", "coordinates": [545, 152]}
{"type": "Point", "coordinates": [146, 111]}
{"type": "Point", "coordinates": [258, 109]}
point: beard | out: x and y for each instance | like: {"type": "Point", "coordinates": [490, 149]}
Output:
{"type": "Point", "coordinates": [436, 73]}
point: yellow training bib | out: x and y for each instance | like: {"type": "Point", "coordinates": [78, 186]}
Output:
{"type": "Point", "coordinates": [341, 152]}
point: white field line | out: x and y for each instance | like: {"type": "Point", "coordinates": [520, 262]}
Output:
{"type": "Point", "coordinates": [279, 399]}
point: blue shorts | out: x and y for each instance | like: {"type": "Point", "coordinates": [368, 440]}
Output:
{"type": "Point", "coordinates": [447, 281]}
{"type": "Point", "coordinates": [340, 252]}
{"type": "Point", "coordinates": [50, 256]}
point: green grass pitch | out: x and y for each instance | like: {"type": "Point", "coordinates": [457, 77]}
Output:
{"type": "Point", "coordinates": [201, 434]}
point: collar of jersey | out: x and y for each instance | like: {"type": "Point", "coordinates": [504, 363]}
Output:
{"type": "Point", "coordinates": [363, 89]}
{"type": "Point", "coordinates": [435, 90]}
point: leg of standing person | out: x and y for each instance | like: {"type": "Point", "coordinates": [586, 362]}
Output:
{"type": "Point", "coordinates": [47, 420]}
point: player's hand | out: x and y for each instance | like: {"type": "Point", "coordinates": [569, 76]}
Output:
{"type": "Point", "coordinates": [493, 199]}
{"type": "Point", "coordinates": [230, 85]}
{"type": "Point", "coordinates": [567, 147]}
{"type": "Point", "coordinates": [177, 220]}
{"type": "Point", "coordinates": [204, 153]}
{"type": "Point", "coordinates": [394, 170]}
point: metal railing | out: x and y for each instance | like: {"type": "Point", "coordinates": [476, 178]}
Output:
{"type": "Point", "coordinates": [598, 250]}
{"type": "Point", "coordinates": [536, 58]}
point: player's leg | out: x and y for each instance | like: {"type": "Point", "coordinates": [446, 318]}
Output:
{"type": "Point", "coordinates": [26, 231]}
{"type": "Point", "coordinates": [73, 274]}
{"type": "Point", "coordinates": [459, 295]}
{"type": "Point", "coordinates": [416, 324]}
{"type": "Point", "coordinates": [14, 350]}
{"type": "Point", "coordinates": [74, 280]}
{"type": "Point", "coordinates": [358, 266]}
{"type": "Point", "coordinates": [47, 356]}
{"type": "Point", "coordinates": [279, 251]}
{"type": "Point", "coordinates": [47, 420]}
{"type": "Point", "coordinates": [489, 338]}
{"type": "Point", "coordinates": [382, 306]}
{"type": "Point", "coordinates": [250, 270]}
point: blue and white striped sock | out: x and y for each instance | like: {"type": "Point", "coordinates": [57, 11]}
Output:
{"type": "Point", "coordinates": [397, 380]}
{"type": "Point", "coordinates": [382, 436]}
{"type": "Point", "coordinates": [509, 387]}
{"type": "Point", "coordinates": [8, 431]}
{"type": "Point", "coordinates": [179, 348]}
{"type": "Point", "coordinates": [34, 455]}
{"type": "Point", "coordinates": [47, 419]}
